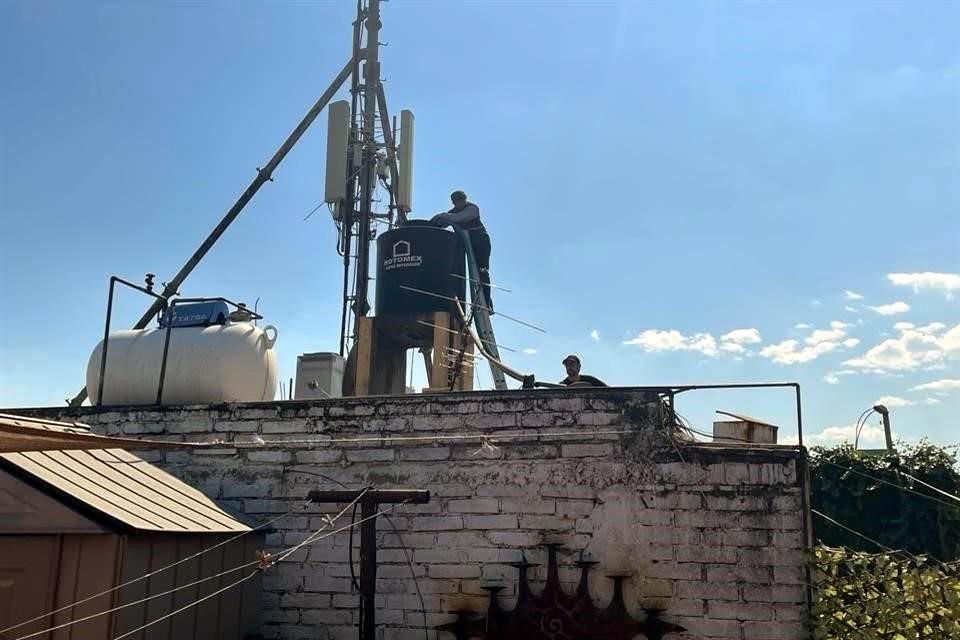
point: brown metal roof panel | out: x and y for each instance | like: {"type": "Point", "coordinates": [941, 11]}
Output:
{"type": "Point", "coordinates": [110, 492]}
{"type": "Point", "coordinates": [71, 459]}
{"type": "Point", "coordinates": [156, 503]}
{"type": "Point", "coordinates": [102, 490]}
{"type": "Point", "coordinates": [189, 502]}
{"type": "Point", "coordinates": [78, 491]}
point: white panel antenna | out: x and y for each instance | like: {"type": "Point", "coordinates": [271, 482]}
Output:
{"type": "Point", "coordinates": [338, 137]}
{"type": "Point", "coordinates": [405, 162]}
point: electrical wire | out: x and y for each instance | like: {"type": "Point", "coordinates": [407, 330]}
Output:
{"type": "Point", "coordinates": [861, 423]}
{"type": "Point", "coordinates": [857, 533]}
{"type": "Point", "coordinates": [473, 304]}
{"type": "Point", "coordinates": [186, 606]}
{"type": "Point", "coordinates": [872, 477]}
{"type": "Point", "coordinates": [413, 573]}
{"type": "Point", "coordinates": [248, 577]}
{"type": "Point", "coordinates": [313, 211]}
{"type": "Point", "coordinates": [281, 555]}
{"type": "Point", "coordinates": [151, 573]}
{"type": "Point", "coordinates": [892, 484]}
{"type": "Point", "coordinates": [489, 284]}
{"type": "Point", "coordinates": [930, 486]}
{"type": "Point", "coordinates": [383, 439]}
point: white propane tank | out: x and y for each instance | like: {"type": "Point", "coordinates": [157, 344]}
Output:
{"type": "Point", "coordinates": [232, 362]}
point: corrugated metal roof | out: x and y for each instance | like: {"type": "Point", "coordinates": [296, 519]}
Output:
{"type": "Point", "coordinates": [19, 433]}
{"type": "Point", "coordinates": [123, 487]}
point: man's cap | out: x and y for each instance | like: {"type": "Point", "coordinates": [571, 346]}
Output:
{"type": "Point", "coordinates": [569, 358]}
{"type": "Point", "coordinates": [458, 195]}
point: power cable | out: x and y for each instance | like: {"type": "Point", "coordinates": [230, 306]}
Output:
{"type": "Point", "coordinates": [281, 555]}
{"type": "Point", "coordinates": [930, 486]}
{"type": "Point", "coordinates": [413, 573]}
{"type": "Point", "coordinates": [248, 577]}
{"type": "Point", "coordinates": [149, 574]}
{"type": "Point", "coordinates": [473, 304]}
{"type": "Point", "coordinates": [865, 537]}
{"type": "Point", "coordinates": [892, 484]}
{"type": "Point", "coordinates": [861, 423]}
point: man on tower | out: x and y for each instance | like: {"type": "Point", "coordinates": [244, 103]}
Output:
{"type": "Point", "coordinates": [467, 216]}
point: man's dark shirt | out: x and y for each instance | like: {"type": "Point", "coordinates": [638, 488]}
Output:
{"type": "Point", "coordinates": [589, 380]}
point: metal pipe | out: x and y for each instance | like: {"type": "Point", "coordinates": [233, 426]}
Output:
{"type": "Point", "coordinates": [263, 175]}
{"type": "Point", "coordinates": [527, 380]}
{"type": "Point", "coordinates": [755, 385]}
{"type": "Point", "coordinates": [166, 349]}
{"type": "Point", "coordinates": [106, 328]}
{"type": "Point", "coordinates": [371, 80]}
{"type": "Point", "coordinates": [349, 203]}
{"type": "Point", "coordinates": [885, 416]}
{"type": "Point", "coordinates": [106, 341]}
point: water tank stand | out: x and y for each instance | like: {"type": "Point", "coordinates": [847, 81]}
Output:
{"type": "Point", "coordinates": [379, 359]}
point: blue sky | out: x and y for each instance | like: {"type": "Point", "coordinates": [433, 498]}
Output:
{"type": "Point", "coordinates": [654, 176]}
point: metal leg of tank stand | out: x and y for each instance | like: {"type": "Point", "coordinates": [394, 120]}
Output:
{"type": "Point", "coordinates": [106, 326]}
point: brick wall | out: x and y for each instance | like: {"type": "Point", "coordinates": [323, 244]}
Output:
{"type": "Point", "coordinates": [714, 535]}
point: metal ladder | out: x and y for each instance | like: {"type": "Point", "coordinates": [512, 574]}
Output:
{"type": "Point", "coordinates": [481, 310]}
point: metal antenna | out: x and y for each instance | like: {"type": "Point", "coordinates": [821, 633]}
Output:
{"type": "Point", "coordinates": [368, 107]}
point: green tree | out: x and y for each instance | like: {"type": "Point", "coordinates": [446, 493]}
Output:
{"type": "Point", "coordinates": [876, 496]}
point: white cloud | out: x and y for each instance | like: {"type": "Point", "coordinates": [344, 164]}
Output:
{"type": "Point", "coordinates": [815, 303]}
{"type": "Point", "coordinates": [850, 343]}
{"type": "Point", "coordinates": [852, 295]}
{"type": "Point", "coordinates": [742, 336]}
{"type": "Point", "coordinates": [932, 401]}
{"type": "Point", "coordinates": [851, 309]}
{"type": "Point", "coordinates": [595, 335]}
{"type": "Point", "coordinates": [946, 385]}
{"type": "Point", "coordinates": [786, 352]}
{"type": "Point", "coordinates": [819, 342]}
{"type": "Point", "coordinates": [933, 327]}
{"type": "Point", "coordinates": [732, 347]}
{"type": "Point", "coordinates": [871, 436]}
{"type": "Point", "coordinates": [892, 308]}
{"type": "Point", "coordinates": [947, 282]}
{"type": "Point", "coordinates": [828, 335]}
{"type": "Point", "coordinates": [653, 340]}
{"type": "Point", "coordinates": [802, 325]}
{"type": "Point", "coordinates": [950, 341]}
{"type": "Point", "coordinates": [833, 377]}
{"type": "Point", "coordinates": [893, 401]}
{"type": "Point", "coordinates": [530, 351]}
{"type": "Point", "coordinates": [914, 348]}
{"type": "Point", "coordinates": [903, 326]}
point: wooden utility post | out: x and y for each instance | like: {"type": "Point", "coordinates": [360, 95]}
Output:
{"type": "Point", "coordinates": [370, 500]}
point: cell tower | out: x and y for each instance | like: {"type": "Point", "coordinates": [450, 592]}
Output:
{"type": "Point", "coordinates": [363, 154]}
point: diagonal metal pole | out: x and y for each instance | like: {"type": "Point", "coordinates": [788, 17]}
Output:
{"type": "Point", "coordinates": [263, 175]}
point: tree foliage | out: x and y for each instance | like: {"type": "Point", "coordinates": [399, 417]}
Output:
{"type": "Point", "coordinates": [884, 596]}
{"type": "Point", "coordinates": [874, 495]}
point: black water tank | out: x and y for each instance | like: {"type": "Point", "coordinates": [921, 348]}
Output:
{"type": "Point", "coordinates": [421, 256]}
